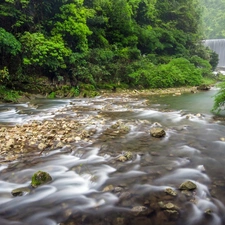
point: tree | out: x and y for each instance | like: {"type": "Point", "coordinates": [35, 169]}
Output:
{"type": "Point", "coordinates": [70, 23]}
{"type": "Point", "coordinates": [10, 47]}
{"type": "Point", "coordinates": [213, 18]}
{"type": "Point", "coordinates": [50, 53]}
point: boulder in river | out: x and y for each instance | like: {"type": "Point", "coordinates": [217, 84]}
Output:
{"type": "Point", "coordinates": [157, 132]}
{"type": "Point", "coordinates": [188, 185]}
{"type": "Point", "coordinates": [40, 178]}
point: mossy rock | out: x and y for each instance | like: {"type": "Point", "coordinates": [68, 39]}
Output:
{"type": "Point", "coordinates": [40, 178]}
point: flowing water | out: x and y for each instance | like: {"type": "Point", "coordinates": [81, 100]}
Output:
{"type": "Point", "coordinates": [91, 186]}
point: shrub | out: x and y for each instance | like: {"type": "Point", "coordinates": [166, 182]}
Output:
{"type": "Point", "coordinates": [8, 95]}
{"type": "Point", "coordinates": [219, 100]}
{"type": "Point", "coordinates": [178, 72]}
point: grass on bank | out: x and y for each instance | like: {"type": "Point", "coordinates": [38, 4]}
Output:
{"type": "Point", "coordinates": [8, 95]}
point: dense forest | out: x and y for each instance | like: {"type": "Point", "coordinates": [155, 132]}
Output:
{"type": "Point", "coordinates": [213, 18]}
{"type": "Point", "coordinates": [67, 46]}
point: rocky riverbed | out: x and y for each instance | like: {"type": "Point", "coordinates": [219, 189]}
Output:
{"type": "Point", "coordinates": [65, 127]}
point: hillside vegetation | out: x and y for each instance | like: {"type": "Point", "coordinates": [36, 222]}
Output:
{"type": "Point", "coordinates": [64, 47]}
{"type": "Point", "coordinates": [213, 18]}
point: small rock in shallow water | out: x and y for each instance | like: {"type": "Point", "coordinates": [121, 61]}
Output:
{"type": "Point", "coordinates": [170, 191]}
{"type": "Point", "coordinates": [188, 185]}
{"type": "Point", "coordinates": [208, 211]}
{"type": "Point", "coordinates": [140, 210]}
{"type": "Point", "coordinates": [108, 188]}
{"type": "Point", "coordinates": [20, 191]}
{"type": "Point", "coordinates": [157, 132]}
{"type": "Point", "coordinates": [40, 178]}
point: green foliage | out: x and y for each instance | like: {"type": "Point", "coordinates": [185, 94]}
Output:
{"type": "Point", "coordinates": [178, 72]}
{"type": "Point", "coordinates": [4, 74]}
{"type": "Point", "coordinates": [138, 43]}
{"type": "Point", "coordinates": [88, 90]}
{"type": "Point", "coordinates": [71, 24]}
{"type": "Point", "coordinates": [214, 60]}
{"type": "Point", "coordinates": [68, 91]}
{"type": "Point", "coordinates": [203, 65]}
{"type": "Point", "coordinates": [214, 18]}
{"type": "Point", "coordinates": [8, 95]}
{"type": "Point", "coordinates": [74, 91]}
{"type": "Point", "coordinates": [8, 43]}
{"type": "Point", "coordinates": [52, 95]}
{"type": "Point", "coordinates": [219, 100]}
{"type": "Point", "coordinates": [41, 51]}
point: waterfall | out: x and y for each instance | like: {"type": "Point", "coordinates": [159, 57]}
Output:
{"type": "Point", "coordinates": [218, 46]}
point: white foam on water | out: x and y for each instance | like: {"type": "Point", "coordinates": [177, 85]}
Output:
{"type": "Point", "coordinates": [185, 150]}
{"type": "Point", "coordinates": [40, 219]}
{"type": "Point", "coordinates": [40, 193]}
{"type": "Point", "coordinates": [204, 204]}
{"type": "Point", "coordinates": [183, 174]}
{"type": "Point", "coordinates": [146, 188]}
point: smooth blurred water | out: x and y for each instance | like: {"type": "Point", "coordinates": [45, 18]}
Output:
{"type": "Point", "coordinates": [200, 102]}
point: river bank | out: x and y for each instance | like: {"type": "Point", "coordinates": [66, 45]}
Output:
{"type": "Point", "coordinates": [120, 92]}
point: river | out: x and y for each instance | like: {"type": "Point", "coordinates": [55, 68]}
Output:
{"type": "Point", "coordinates": [92, 186]}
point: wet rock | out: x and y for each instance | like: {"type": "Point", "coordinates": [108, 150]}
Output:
{"type": "Point", "coordinates": [40, 178]}
{"type": "Point", "coordinates": [118, 189]}
{"type": "Point", "coordinates": [172, 214]}
{"type": "Point", "coordinates": [157, 132]}
{"type": "Point", "coordinates": [170, 191]}
{"type": "Point", "coordinates": [208, 212]}
{"type": "Point", "coordinates": [20, 191]}
{"type": "Point", "coordinates": [203, 87]}
{"type": "Point", "coordinates": [126, 156]}
{"type": "Point", "coordinates": [119, 221]}
{"type": "Point", "coordinates": [59, 145]}
{"type": "Point", "coordinates": [189, 116]}
{"type": "Point", "coordinates": [188, 185]}
{"type": "Point", "coordinates": [140, 211]}
{"type": "Point", "coordinates": [122, 158]}
{"type": "Point", "coordinates": [10, 143]}
{"type": "Point", "coordinates": [77, 138]}
{"type": "Point", "coordinates": [108, 188]}
{"type": "Point", "coordinates": [42, 146]}
{"type": "Point", "coordinates": [170, 210]}
{"type": "Point", "coordinates": [125, 196]}
{"type": "Point", "coordinates": [168, 206]}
